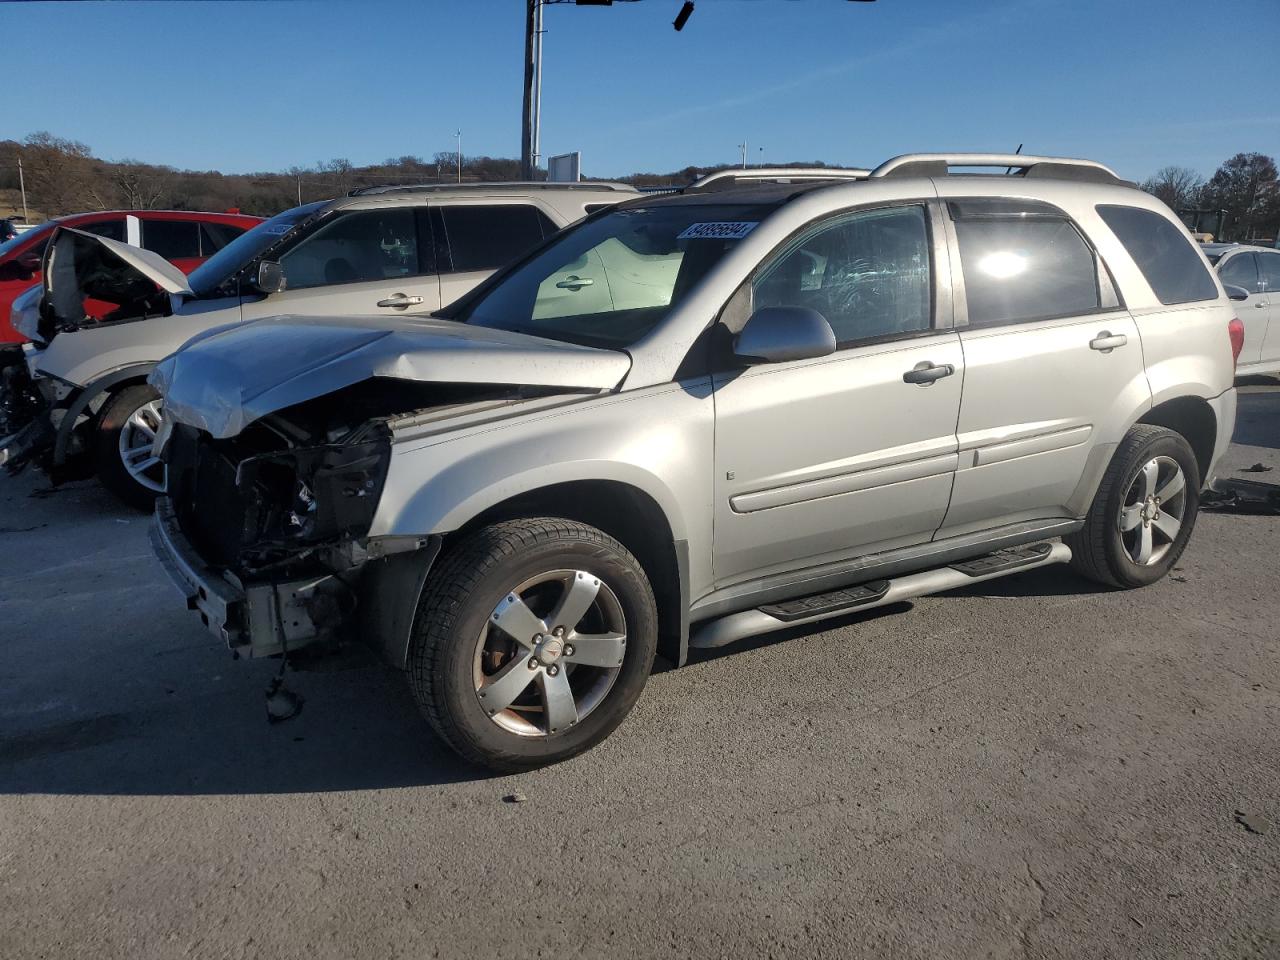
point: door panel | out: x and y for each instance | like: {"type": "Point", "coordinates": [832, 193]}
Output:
{"type": "Point", "coordinates": [1269, 272]}
{"type": "Point", "coordinates": [820, 460]}
{"type": "Point", "coordinates": [1037, 401]}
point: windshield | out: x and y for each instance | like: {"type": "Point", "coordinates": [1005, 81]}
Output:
{"type": "Point", "coordinates": [43, 230]}
{"type": "Point", "coordinates": [231, 259]}
{"type": "Point", "coordinates": [610, 281]}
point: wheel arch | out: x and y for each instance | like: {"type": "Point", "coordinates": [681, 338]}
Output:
{"type": "Point", "coordinates": [105, 384]}
{"type": "Point", "coordinates": [631, 516]}
{"type": "Point", "coordinates": [1194, 419]}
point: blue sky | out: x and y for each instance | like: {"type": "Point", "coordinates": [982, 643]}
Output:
{"type": "Point", "coordinates": [236, 86]}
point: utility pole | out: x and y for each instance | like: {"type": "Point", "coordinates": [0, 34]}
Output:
{"type": "Point", "coordinates": [299, 189]}
{"type": "Point", "coordinates": [743, 147]}
{"type": "Point", "coordinates": [532, 24]}
{"type": "Point", "coordinates": [537, 85]}
{"type": "Point", "coordinates": [458, 136]}
{"type": "Point", "coordinates": [22, 185]}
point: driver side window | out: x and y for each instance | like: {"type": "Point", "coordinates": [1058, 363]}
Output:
{"type": "Point", "coordinates": [867, 273]}
{"type": "Point", "coordinates": [354, 248]}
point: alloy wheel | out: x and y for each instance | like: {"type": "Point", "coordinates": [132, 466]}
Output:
{"type": "Point", "coordinates": [137, 437]}
{"type": "Point", "coordinates": [1153, 511]}
{"type": "Point", "coordinates": [550, 653]}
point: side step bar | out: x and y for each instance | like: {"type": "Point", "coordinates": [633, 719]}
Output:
{"type": "Point", "coordinates": [879, 593]}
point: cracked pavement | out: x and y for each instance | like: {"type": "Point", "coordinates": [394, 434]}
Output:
{"type": "Point", "coordinates": [1026, 768]}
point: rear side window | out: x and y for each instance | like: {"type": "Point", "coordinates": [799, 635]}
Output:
{"type": "Point", "coordinates": [1242, 271]}
{"type": "Point", "coordinates": [487, 237]}
{"type": "Point", "coordinates": [1269, 270]}
{"type": "Point", "coordinates": [172, 239]}
{"type": "Point", "coordinates": [1023, 263]}
{"type": "Point", "coordinates": [1162, 252]}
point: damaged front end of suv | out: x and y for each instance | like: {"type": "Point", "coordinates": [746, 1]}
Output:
{"type": "Point", "coordinates": [278, 457]}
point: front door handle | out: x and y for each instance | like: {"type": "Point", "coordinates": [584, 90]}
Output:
{"type": "Point", "coordinates": [925, 373]}
{"type": "Point", "coordinates": [575, 283]}
{"type": "Point", "coordinates": [401, 301]}
{"type": "Point", "coordinates": [1106, 341]}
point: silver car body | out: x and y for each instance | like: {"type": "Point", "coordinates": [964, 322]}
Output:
{"type": "Point", "coordinates": [1257, 271]}
{"type": "Point", "coordinates": [785, 479]}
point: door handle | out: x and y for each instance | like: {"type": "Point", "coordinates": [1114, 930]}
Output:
{"type": "Point", "coordinates": [575, 283]}
{"type": "Point", "coordinates": [925, 373]}
{"type": "Point", "coordinates": [1259, 304]}
{"type": "Point", "coordinates": [400, 301]}
{"type": "Point", "coordinates": [1106, 341]}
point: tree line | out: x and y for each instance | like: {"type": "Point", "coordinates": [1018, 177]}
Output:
{"type": "Point", "coordinates": [1240, 201]}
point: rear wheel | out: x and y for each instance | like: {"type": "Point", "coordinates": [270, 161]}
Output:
{"type": "Point", "coordinates": [125, 431]}
{"type": "Point", "coordinates": [532, 642]}
{"type": "Point", "coordinates": [1143, 513]}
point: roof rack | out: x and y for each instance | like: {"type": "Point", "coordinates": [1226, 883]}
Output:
{"type": "Point", "coordinates": [489, 185]}
{"type": "Point", "coordinates": [1017, 164]}
{"type": "Point", "coordinates": [726, 179]}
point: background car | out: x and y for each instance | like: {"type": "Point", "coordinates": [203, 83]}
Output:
{"type": "Point", "coordinates": [379, 251]}
{"type": "Point", "coordinates": [184, 238]}
{"type": "Point", "coordinates": [1256, 270]}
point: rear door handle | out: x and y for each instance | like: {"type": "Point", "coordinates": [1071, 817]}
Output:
{"type": "Point", "coordinates": [925, 373]}
{"type": "Point", "coordinates": [1106, 341]}
{"type": "Point", "coordinates": [400, 301]}
{"type": "Point", "coordinates": [575, 283]}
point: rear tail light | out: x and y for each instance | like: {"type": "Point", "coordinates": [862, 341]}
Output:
{"type": "Point", "coordinates": [1235, 330]}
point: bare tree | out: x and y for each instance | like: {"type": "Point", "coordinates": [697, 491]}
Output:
{"type": "Point", "coordinates": [1178, 187]}
{"type": "Point", "coordinates": [140, 185]}
{"type": "Point", "coordinates": [58, 173]}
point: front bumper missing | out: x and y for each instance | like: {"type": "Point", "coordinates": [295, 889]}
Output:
{"type": "Point", "coordinates": [258, 620]}
{"type": "Point", "coordinates": [26, 430]}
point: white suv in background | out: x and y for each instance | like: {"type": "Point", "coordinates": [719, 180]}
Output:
{"type": "Point", "coordinates": [85, 405]}
{"type": "Point", "coordinates": [1256, 271]}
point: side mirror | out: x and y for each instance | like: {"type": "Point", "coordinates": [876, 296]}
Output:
{"type": "Point", "coordinates": [1234, 292]}
{"type": "Point", "coordinates": [777, 334]}
{"type": "Point", "coordinates": [270, 277]}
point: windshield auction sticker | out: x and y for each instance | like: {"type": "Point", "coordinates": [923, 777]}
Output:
{"type": "Point", "coordinates": [724, 230]}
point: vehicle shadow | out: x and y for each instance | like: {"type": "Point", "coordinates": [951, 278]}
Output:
{"type": "Point", "coordinates": [191, 723]}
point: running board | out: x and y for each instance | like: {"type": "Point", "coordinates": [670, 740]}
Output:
{"type": "Point", "coordinates": [879, 593]}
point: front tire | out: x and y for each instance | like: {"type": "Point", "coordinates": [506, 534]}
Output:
{"type": "Point", "coordinates": [1143, 513]}
{"type": "Point", "coordinates": [123, 434]}
{"type": "Point", "coordinates": [532, 642]}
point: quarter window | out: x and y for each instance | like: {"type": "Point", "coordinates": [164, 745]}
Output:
{"type": "Point", "coordinates": [1162, 252]}
{"type": "Point", "coordinates": [867, 273]}
{"type": "Point", "coordinates": [1023, 264]}
{"type": "Point", "coordinates": [486, 237]}
{"type": "Point", "coordinates": [353, 248]}
{"type": "Point", "coordinates": [1242, 271]}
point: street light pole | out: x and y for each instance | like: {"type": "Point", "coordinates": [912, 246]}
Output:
{"type": "Point", "coordinates": [532, 25]}
{"type": "Point", "coordinates": [458, 136]}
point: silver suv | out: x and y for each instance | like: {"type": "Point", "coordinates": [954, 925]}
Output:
{"type": "Point", "coordinates": [699, 417]}
{"type": "Point", "coordinates": [379, 251]}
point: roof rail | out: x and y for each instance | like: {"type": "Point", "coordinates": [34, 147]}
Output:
{"type": "Point", "coordinates": [489, 185]}
{"type": "Point", "coordinates": [734, 175]}
{"type": "Point", "coordinates": [939, 164]}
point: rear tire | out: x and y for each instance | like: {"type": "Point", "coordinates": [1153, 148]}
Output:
{"type": "Point", "coordinates": [1143, 513]}
{"type": "Point", "coordinates": [493, 663]}
{"type": "Point", "coordinates": [123, 425]}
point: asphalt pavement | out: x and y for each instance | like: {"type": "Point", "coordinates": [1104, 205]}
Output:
{"type": "Point", "coordinates": [1029, 767]}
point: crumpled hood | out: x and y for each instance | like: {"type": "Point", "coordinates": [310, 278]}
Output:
{"type": "Point", "coordinates": [223, 381]}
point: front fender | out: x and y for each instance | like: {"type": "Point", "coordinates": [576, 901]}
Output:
{"type": "Point", "coordinates": [657, 440]}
